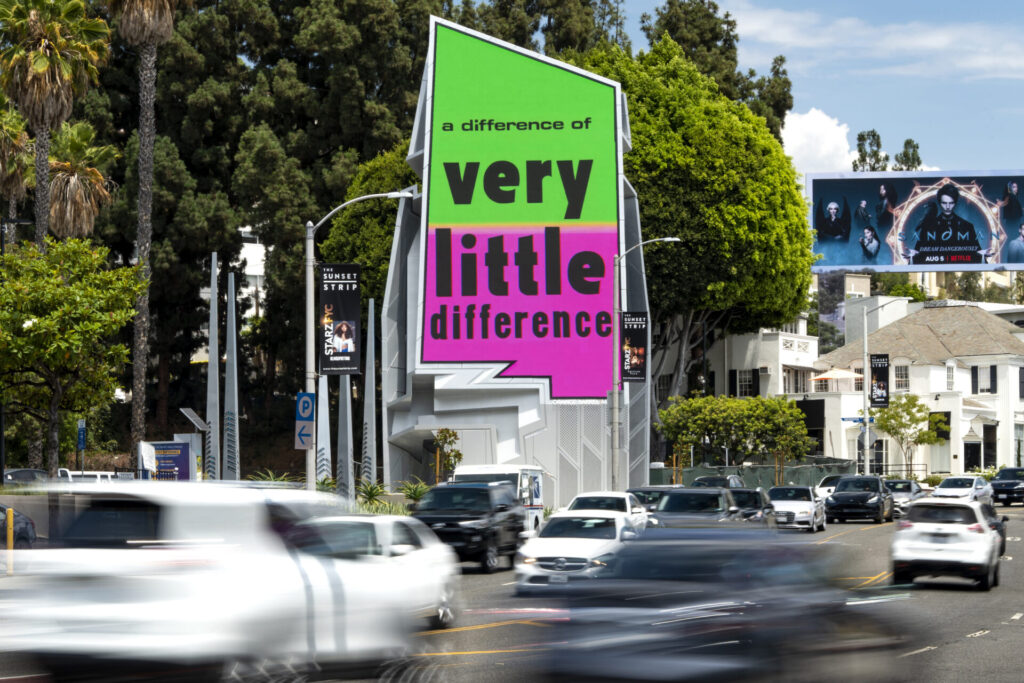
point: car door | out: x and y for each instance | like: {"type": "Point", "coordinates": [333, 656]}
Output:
{"type": "Point", "coordinates": [637, 512]}
{"type": "Point", "coordinates": [412, 561]}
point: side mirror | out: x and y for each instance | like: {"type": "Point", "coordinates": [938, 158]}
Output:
{"type": "Point", "coordinates": [527, 535]}
{"type": "Point", "coordinates": [638, 509]}
{"type": "Point", "coordinates": [1005, 519]}
{"type": "Point", "coordinates": [401, 549]}
{"type": "Point", "coordinates": [733, 510]}
{"type": "Point", "coordinates": [628, 535]}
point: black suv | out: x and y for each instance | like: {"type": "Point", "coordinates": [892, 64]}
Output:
{"type": "Point", "coordinates": [1008, 486]}
{"type": "Point", "coordinates": [480, 521]}
{"type": "Point", "coordinates": [859, 497]}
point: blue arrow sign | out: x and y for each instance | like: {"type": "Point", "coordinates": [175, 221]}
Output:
{"type": "Point", "coordinates": [303, 435]}
{"type": "Point", "coordinates": [856, 419]}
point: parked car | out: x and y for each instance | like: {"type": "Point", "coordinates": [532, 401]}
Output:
{"type": "Point", "coordinates": [24, 530]}
{"type": "Point", "coordinates": [946, 537]}
{"type": "Point", "coordinates": [24, 476]}
{"type": "Point", "coordinates": [572, 546]}
{"type": "Point", "coordinates": [859, 497]}
{"type": "Point", "coordinates": [904, 492]}
{"type": "Point", "coordinates": [650, 495]}
{"type": "Point", "coordinates": [480, 521]}
{"type": "Point", "coordinates": [971, 488]}
{"type": "Point", "coordinates": [616, 501]}
{"type": "Point", "coordinates": [798, 507]}
{"type": "Point", "coordinates": [194, 581]}
{"type": "Point", "coordinates": [696, 506]}
{"type": "Point", "coordinates": [827, 485]}
{"type": "Point", "coordinates": [1008, 486]}
{"type": "Point", "coordinates": [426, 569]}
{"type": "Point", "coordinates": [755, 506]}
{"type": "Point", "coordinates": [727, 481]}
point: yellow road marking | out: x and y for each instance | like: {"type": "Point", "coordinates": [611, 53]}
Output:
{"type": "Point", "coordinates": [474, 652]}
{"type": "Point", "coordinates": [850, 531]}
{"type": "Point", "coordinates": [477, 627]}
{"type": "Point", "coordinates": [878, 578]}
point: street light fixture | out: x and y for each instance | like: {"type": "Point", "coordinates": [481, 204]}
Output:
{"type": "Point", "coordinates": [616, 413]}
{"type": "Point", "coordinates": [310, 327]}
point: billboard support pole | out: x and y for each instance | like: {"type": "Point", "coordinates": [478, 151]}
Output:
{"type": "Point", "coordinates": [310, 383]}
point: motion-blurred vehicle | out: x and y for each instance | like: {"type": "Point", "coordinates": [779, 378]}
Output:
{"type": "Point", "coordinates": [859, 497]}
{"type": "Point", "coordinates": [997, 523]}
{"type": "Point", "coordinates": [424, 572]}
{"type": "Point", "coordinates": [528, 480]}
{"type": "Point", "coordinates": [798, 507]}
{"type": "Point", "coordinates": [946, 537]}
{"type": "Point", "coordinates": [755, 506]}
{"type": "Point", "coordinates": [904, 492]}
{"type": "Point", "coordinates": [615, 501]}
{"type": "Point", "coordinates": [24, 529]}
{"type": "Point", "coordinates": [480, 521]}
{"type": "Point", "coordinates": [1008, 486]}
{"type": "Point", "coordinates": [827, 485]}
{"type": "Point", "coordinates": [85, 476]}
{"type": "Point", "coordinates": [969, 488]}
{"type": "Point", "coordinates": [24, 476]}
{"type": "Point", "coordinates": [696, 506]}
{"type": "Point", "coordinates": [722, 605]}
{"type": "Point", "coordinates": [161, 579]}
{"type": "Point", "coordinates": [572, 546]}
{"type": "Point", "coordinates": [650, 495]}
{"type": "Point", "coordinates": [725, 481]}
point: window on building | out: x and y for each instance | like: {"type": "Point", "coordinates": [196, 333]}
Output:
{"type": "Point", "coordinates": [745, 380]}
{"type": "Point", "coordinates": [950, 377]}
{"type": "Point", "coordinates": [662, 387]}
{"type": "Point", "coordinates": [821, 385]}
{"type": "Point", "coordinates": [984, 382]}
{"type": "Point", "coordinates": [794, 381]}
{"type": "Point", "coordinates": [858, 384]}
{"type": "Point", "coordinates": [901, 378]}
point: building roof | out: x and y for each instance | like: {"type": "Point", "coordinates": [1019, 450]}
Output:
{"type": "Point", "coordinates": [931, 336]}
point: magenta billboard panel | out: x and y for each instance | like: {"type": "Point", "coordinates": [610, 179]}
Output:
{"type": "Point", "coordinates": [522, 221]}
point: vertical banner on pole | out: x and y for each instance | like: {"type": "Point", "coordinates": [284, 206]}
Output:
{"type": "Point", "coordinates": [211, 469]}
{"type": "Point", "coordinates": [231, 470]}
{"type": "Point", "coordinates": [343, 477]}
{"type": "Point", "coordinates": [368, 470]}
{"type": "Point", "coordinates": [879, 380]}
{"type": "Point", "coordinates": [339, 319]}
{"type": "Point", "coordinates": [634, 346]}
{"type": "Point", "coordinates": [323, 431]}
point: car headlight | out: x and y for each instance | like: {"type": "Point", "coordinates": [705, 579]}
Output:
{"type": "Point", "coordinates": [873, 499]}
{"type": "Point", "coordinates": [602, 561]}
{"type": "Point", "coordinates": [524, 559]}
{"type": "Point", "coordinates": [1019, 486]}
{"type": "Point", "coordinates": [474, 524]}
{"type": "Point", "coordinates": [831, 500]}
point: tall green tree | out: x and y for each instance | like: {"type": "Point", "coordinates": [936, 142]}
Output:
{"type": "Point", "coordinates": [51, 53]}
{"type": "Point", "coordinates": [60, 312]}
{"type": "Point", "coordinates": [870, 156]}
{"type": "Point", "coordinates": [144, 24]}
{"type": "Point", "coordinates": [78, 186]}
{"type": "Point", "coordinates": [909, 424]}
{"type": "Point", "coordinates": [15, 149]}
{"type": "Point", "coordinates": [709, 172]}
{"type": "Point", "coordinates": [909, 159]}
{"type": "Point", "coordinates": [965, 287]}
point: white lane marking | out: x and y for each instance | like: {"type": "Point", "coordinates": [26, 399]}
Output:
{"type": "Point", "coordinates": [510, 583]}
{"type": "Point", "coordinates": [1013, 539]}
{"type": "Point", "coordinates": [977, 634]}
{"type": "Point", "coordinates": [1017, 616]}
{"type": "Point", "coordinates": [917, 652]}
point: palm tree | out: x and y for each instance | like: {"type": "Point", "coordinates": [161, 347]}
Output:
{"type": "Point", "coordinates": [51, 51]}
{"type": "Point", "coordinates": [15, 161]}
{"type": "Point", "coordinates": [78, 188]}
{"type": "Point", "coordinates": [146, 24]}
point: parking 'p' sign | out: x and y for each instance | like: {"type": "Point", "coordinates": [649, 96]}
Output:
{"type": "Point", "coordinates": [304, 403]}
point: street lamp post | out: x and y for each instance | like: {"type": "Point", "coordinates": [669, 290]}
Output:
{"type": "Point", "coordinates": [866, 376]}
{"type": "Point", "coordinates": [310, 326]}
{"type": "Point", "coordinates": [616, 412]}
{"type": "Point", "coordinates": [4, 222]}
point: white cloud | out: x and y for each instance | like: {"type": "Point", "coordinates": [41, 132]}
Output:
{"type": "Point", "coordinates": [817, 142]}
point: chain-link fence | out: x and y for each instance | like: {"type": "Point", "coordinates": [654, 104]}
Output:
{"type": "Point", "coordinates": [805, 473]}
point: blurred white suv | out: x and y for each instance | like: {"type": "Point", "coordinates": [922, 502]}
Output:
{"type": "Point", "coordinates": [946, 537]}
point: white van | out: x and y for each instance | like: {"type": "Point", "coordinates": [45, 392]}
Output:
{"type": "Point", "coordinates": [528, 480]}
{"type": "Point", "coordinates": [84, 476]}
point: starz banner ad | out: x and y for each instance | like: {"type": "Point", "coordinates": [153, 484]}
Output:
{"type": "Point", "coordinates": [339, 319]}
{"type": "Point", "coordinates": [879, 380]}
{"type": "Point", "coordinates": [914, 221]}
{"type": "Point", "coordinates": [634, 346]}
{"type": "Point", "coordinates": [522, 224]}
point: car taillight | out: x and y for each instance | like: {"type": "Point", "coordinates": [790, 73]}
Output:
{"type": "Point", "coordinates": [976, 528]}
{"type": "Point", "coordinates": [903, 525]}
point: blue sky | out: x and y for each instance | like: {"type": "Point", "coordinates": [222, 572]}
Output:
{"type": "Point", "coordinates": [950, 75]}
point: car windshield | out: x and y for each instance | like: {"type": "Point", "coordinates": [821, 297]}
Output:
{"type": "Point", "coordinates": [648, 497]}
{"type": "Point", "coordinates": [789, 493]}
{"type": "Point", "coordinates": [957, 483]}
{"type": "Point", "coordinates": [488, 478]}
{"type": "Point", "coordinates": [747, 499]}
{"type": "Point", "coordinates": [342, 540]}
{"type": "Point", "coordinates": [690, 502]}
{"type": "Point", "coordinates": [711, 481]}
{"type": "Point", "coordinates": [856, 484]}
{"type": "Point", "coordinates": [898, 486]}
{"type": "Point", "coordinates": [613, 503]}
{"type": "Point", "coordinates": [579, 527]}
{"type": "Point", "coordinates": [941, 514]}
{"type": "Point", "coordinates": [117, 523]}
{"type": "Point", "coordinates": [455, 498]}
{"type": "Point", "coordinates": [1011, 474]}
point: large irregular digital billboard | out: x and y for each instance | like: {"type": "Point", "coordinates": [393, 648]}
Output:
{"type": "Point", "coordinates": [522, 220]}
{"type": "Point", "coordinates": [918, 221]}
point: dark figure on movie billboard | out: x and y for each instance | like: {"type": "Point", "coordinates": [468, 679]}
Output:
{"type": "Point", "coordinates": [886, 206]}
{"type": "Point", "coordinates": [1010, 209]}
{"type": "Point", "coordinates": [1014, 249]}
{"type": "Point", "coordinates": [832, 224]}
{"type": "Point", "coordinates": [869, 244]}
{"type": "Point", "coordinates": [861, 213]}
{"type": "Point", "coordinates": [945, 237]}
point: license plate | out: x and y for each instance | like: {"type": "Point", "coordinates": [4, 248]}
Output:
{"type": "Point", "coordinates": [940, 538]}
{"type": "Point", "coordinates": [1002, 495]}
{"type": "Point", "coordinates": [558, 578]}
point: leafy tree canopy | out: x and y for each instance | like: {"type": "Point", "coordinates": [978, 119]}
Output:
{"type": "Point", "coordinates": [909, 424]}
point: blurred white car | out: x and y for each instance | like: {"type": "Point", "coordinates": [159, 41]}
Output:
{"type": "Point", "coordinates": [946, 537]}
{"type": "Point", "coordinates": [797, 507]}
{"type": "Point", "coordinates": [827, 485]}
{"type": "Point", "coordinates": [615, 501]}
{"type": "Point", "coordinates": [573, 545]}
{"type": "Point", "coordinates": [970, 488]}
{"type": "Point", "coordinates": [424, 571]}
{"type": "Point", "coordinates": [161, 577]}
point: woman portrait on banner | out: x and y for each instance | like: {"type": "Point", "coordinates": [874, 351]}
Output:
{"type": "Point", "coordinates": [343, 341]}
{"type": "Point", "coordinates": [870, 244]}
{"type": "Point", "coordinates": [885, 209]}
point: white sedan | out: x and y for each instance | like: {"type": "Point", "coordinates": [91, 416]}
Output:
{"type": "Point", "coordinates": [969, 488]}
{"type": "Point", "coordinates": [616, 501]}
{"type": "Point", "coordinates": [798, 507]}
{"type": "Point", "coordinates": [573, 545]}
{"type": "Point", "coordinates": [423, 571]}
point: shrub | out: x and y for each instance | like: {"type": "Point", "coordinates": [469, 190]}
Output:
{"type": "Point", "coordinates": [370, 492]}
{"type": "Point", "coordinates": [933, 480]}
{"type": "Point", "coordinates": [269, 475]}
{"type": "Point", "coordinates": [414, 490]}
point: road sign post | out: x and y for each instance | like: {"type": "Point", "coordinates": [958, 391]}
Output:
{"type": "Point", "coordinates": [304, 405]}
{"type": "Point", "coordinates": [81, 443]}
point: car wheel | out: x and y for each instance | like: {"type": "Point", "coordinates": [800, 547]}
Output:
{"type": "Point", "coordinates": [1002, 548]}
{"type": "Point", "coordinates": [900, 577]}
{"type": "Point", "coordinates": [880, 517]}
{"type": "Point", "coordinates": [491, 558]}
{"type": "Point", "coordinates": [824, 523]}
{"type": "Point", "coordinates": [986, 582]}
{"type": "Point", "coordinates": [995, 576]}
{"type": "Point", "coordinates": [891, 514]}
{"type": "Point", "coordinates": [22, 544]}
{"type": "Point", "coordinates": [445, 614]}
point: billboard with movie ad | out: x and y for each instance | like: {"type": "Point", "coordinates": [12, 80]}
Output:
{"type": "Point", "coordinates": [879, 380]}
{"type": "Point", "coordinates": [522, 221]}
{"type": "Point", "coordinates": [918, 221]}
{"type": "Point", "coordinates": [634, 346]}
{"type": "Point", "coordinates": [339, 319]}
